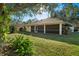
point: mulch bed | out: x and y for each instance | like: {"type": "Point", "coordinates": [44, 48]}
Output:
{"type": "Point", "coordinates": [7, 50]}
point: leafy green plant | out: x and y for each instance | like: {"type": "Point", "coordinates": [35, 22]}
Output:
{"type": "Point", "coordinates": [4, 22]}
{"type": "Point", "coordinates": [22, 46]}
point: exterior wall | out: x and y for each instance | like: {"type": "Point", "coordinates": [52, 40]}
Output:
{"type": "Point", "coordinates": [28, 28]}
{"type": "Point", "coordinates": [19, 26]}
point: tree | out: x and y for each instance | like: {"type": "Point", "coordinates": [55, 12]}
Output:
{"type": "Point", "coordinates": [69, 12]}
{"type": "Point", "coordinates": [49, 7]}
{"type": "Point", "coordinates": [4, 22]}
{"type": "Point", "coordinates": [72, 12]}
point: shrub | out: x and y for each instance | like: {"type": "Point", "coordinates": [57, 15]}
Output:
{"type": "Point", "coordinates": [22, 46]}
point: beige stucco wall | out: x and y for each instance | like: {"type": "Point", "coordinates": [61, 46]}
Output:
{"type": "Point", "coordinates": [28, 28]}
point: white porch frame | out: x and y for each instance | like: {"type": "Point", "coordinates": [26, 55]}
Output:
{"type": "Point", "coordinates": [44, 29]}
{"type": "Point", "coordinates": [60, 29]}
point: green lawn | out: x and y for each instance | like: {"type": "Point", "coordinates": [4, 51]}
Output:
{"type": "Point", "coordinates": [53, 44]}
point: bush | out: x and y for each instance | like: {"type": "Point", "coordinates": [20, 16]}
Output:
{"type": "Point", "coordinates": [22, 46]}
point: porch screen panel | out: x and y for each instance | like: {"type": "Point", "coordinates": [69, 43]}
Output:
{"type": "Point", "coordinates": [41, 28]}
{"type": "Point", "coordinates": [52, 28]}
{"type": "Point", "coordinates": [32, 28]}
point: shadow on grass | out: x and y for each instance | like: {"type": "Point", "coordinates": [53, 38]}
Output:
{"type": "Point", "coordinates": [72, 38]}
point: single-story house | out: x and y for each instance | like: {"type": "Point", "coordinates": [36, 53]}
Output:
{"type": "Point", "coordinates": [49, 25]}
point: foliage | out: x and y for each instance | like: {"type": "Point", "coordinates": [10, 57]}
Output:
{"type": "Point", "coordinates": [4, 23]}
{"type": "Point", "coordinates": [72, 9]}
{"type": "Point", "coordinates": [22, 46]}
{"type": "Point", "coordinates": [69, 12]}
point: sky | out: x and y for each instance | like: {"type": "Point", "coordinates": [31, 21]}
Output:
{"type": "Point", "coordinates": [38, 17]}
{"type": "Point", "coordinates": [44, 15]}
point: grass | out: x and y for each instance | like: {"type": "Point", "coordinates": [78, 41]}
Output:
{"type": "Point", "coordinates": [54, 45]}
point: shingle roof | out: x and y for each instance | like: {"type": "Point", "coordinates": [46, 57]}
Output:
{"type": "Point", "coordinates": [48, 21]}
